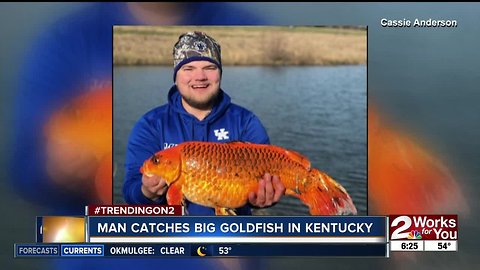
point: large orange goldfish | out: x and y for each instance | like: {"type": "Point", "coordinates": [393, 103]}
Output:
{"type": "Point", "coordinates": [86, 123]}
{"type": "Point", "coordinates": [404, 176]}
{"type": "Point", "coordinates": [222, 175]}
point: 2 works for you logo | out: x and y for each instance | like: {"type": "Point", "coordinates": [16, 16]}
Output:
{"type": "Point", "coordinates": [423, 227]}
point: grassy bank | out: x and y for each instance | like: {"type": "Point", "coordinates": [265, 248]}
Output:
{"type": "Point", "coordinates": [146, 45]}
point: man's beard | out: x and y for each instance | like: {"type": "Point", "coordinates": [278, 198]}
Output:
{"type": "Point", "coordinates": [202, 105]}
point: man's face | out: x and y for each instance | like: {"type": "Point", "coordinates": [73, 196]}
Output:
{"type": "Point", "coordinates": [199, 83]}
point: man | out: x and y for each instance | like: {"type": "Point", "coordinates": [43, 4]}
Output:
{"type": "Point", "coordinates": [197, 110]}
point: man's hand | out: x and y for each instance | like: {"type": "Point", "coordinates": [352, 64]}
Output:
{"type": "Point", "coordinates": [270, 190]}
{"type": "Point", "coordinates": [153, 187]}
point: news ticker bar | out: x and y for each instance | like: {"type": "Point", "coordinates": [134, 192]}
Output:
{"type": "Point", "coordinates": [399, 232]}
{"type": "Point", "coordinates": [200, 250]}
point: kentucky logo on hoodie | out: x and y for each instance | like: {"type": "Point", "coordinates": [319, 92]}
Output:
{"type": "Point", "coordinates": [221, 134]}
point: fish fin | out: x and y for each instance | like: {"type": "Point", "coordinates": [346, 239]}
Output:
{"type": "Point", "coordinates": [326, 197]}
{"type": "Point", "coordinates": [291, 192]}
{"type": "Point", "coordinates": [103, 180]}
{"type": "Point", "coordinates": [175, 194]}
{"type": "Point", "coordinates": [223, 211]}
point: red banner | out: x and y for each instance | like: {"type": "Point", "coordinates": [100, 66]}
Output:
{"type": "Point", "coordinates": [423, 227]}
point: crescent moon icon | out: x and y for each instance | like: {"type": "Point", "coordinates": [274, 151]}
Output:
{"type": "Point", "coordinates": [199, 252]}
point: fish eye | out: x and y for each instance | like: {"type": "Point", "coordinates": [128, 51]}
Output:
{"type": "Point", "coordinates": [155, 159]}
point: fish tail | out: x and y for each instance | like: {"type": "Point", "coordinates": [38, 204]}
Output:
{"type": "Point", "coordinates": [324, 196]}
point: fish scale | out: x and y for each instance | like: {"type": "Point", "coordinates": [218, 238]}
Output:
{"type": "Point", "coordinates": [221, 175]}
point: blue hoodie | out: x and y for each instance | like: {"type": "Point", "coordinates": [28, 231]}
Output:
{"type": "Point", "coordinates": [170, 124]}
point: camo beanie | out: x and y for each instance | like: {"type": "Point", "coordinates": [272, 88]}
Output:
{"type": "Point", "coordinates": [195, 46]}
